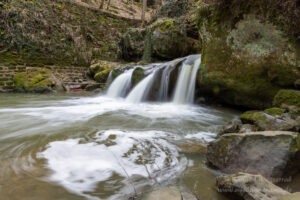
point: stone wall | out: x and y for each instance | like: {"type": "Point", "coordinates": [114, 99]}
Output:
{"type": "Point", "coordinates": [70, 77]}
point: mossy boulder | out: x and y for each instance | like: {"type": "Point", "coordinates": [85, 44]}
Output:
{"type": "Point", "coordinates": [288, 97]}
{"type": "Point", "coordinates": [172, 9]}
{"type": "Point", "coordinates": [101, 77]}
{"type": "Point", "coordinates": [265, 121]}
{"type": "Point", "coordinates": [169, 40]}
{"type": "Point", "coordinates": [273, 154]}
{"type": "Point", "coordinates": [246, 59]}
{"type": "Point", "coordinates": [38, 80]}
{"type": "Point", "coordinates": [97, 67]}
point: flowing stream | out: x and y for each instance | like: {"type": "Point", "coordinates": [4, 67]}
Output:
{"type": "Point", "coordinates": [69, 147]}
{"type": "Point", "coordinates": [110, 146]}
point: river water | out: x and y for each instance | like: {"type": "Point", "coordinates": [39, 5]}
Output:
{"type": "Point", "coordinates": [66, 147]}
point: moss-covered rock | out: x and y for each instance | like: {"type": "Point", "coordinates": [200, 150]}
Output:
{"type": "Point", "coordinates": [247, 58]}
{"type": "Point", "coordinates": [272, 154]}
{"type": "Point", "coordinates": [38, 80]}
{"type": "Point", "coordinates": [171, 9]}
{"type": "Point", "coordinates": [266, 121]}
{"type": "Point", "coordinates": [101, 76]}
{"type": "Point", "coordinates": [274, 111]}
{"type": "Point", "coordinates": [288, 97]}
{"type": "Point", "coordinates": [137, 75]}
{"type": "Point", "coordinates": [169, 40]}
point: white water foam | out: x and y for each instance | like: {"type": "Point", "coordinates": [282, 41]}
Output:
{"type": "Point", "coordinates": [79, 166]}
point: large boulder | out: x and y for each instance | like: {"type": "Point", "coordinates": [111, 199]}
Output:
{"type": "Point", "coordinates": [169, 40]}
{"type": "Point", "coordinates": [249, 187]}
{"type": "Point", "coordinates": [272, 154]}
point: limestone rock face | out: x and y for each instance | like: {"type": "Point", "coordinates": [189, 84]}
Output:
{"type": "Point", "coordinates": [272, 154]}
{"type": "Point", "coordinates": [167, 193]}
{"type": "Point", "coordinates": [246, 60]}
{"type": "Point", "coordinates": [249, 187]}
{"type": "Point", "coordinates": [132, 43]}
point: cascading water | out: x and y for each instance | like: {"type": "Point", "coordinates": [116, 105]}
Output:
{"type": "Point", "coordinates": [109, 78]}
{"type": "Point", "coordinates": [164, 87]}
{"type": "Point", "coordinates": [141, 90]}
{"type": "Point", "coordinates": [185, 86]}
{"type": "Point", "coordinates": [121, 85]}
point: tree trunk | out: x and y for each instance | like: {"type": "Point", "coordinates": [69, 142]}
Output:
{"type": "Point", "coordinates": [144, 11]}
{"type": "Point", "coordinates": [102, 4]}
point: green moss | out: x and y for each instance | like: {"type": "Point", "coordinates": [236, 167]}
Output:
{"type": "Point", "coordinates": [165, 24]}
{"type": "Point", "coordinates": [288, 97]}
{"type": "Point", "coordinates": [34, 80]}
{"type": "Point", "coordinates": [137, 76]}
{"type": "Point", "coordinates": [98, 68]}
{"type": "Point", "coordinates": [252, 117]}
{"type": "Point", "coordinates": [102, 76]}
{"type": "Point", "coordinates": [274, 111]}
{"type": "Point", "coordinates": [20, 81]}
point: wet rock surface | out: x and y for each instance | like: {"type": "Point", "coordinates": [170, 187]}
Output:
{"type": "Point", "coordinates": [272, 154]}
{"type": "Point", "coordinates": [250, 187]}
{"type": "Point", "coordinates": [166, 193]}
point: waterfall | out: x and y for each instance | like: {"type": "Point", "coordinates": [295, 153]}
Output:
{"type": "Point", "coordinates": [109, 78]}
{"type": "Point", "coordinates": [121, 85]}
{"type": "Point", "coordinates": [141, 90]}
{"type": "Point", "coordinates": [185, 86]}
{"type": "Point", "coordinates": [164, 87]}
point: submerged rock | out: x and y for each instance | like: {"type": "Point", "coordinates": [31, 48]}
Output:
{"type": "Point", "coordinates": [190, 146]}
{"type": "Point", "coordinates": [249, 187]}
{"type": "Point", "coordinates": [272, 154]}
{"type": "Point", "coordinates": [166, 193]}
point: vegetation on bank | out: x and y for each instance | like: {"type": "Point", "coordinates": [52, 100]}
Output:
{"type": "Point", "coordinates": [57, 32]}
